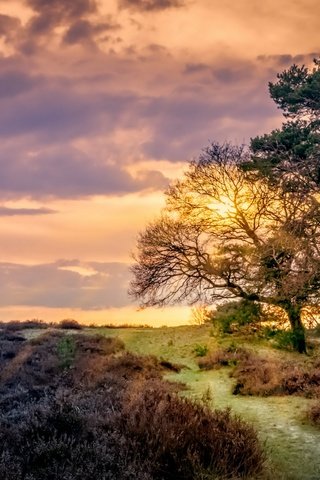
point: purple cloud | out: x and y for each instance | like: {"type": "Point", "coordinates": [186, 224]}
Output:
{"type": "Point", "coordinates": [150, 5]}
{"type": "Point", "coordinates": [54, 285]}
{"type": "Point", "coordinates": [52, 13]}
{"type": "Point", "coordinates": [15, 82]}
{"type": "Point", "coordinates": [67, 172]}
{"type": "Point", "coordinates": [84, 31]}
{"type": "Point", "coordinates": [12, 212]}
{"type": "Point", "coordinates": [8, 26]}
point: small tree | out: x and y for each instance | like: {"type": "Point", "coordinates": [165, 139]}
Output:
{"type": "Point", "coordinates": [226, 234]}
{"type": "Point", "coordinates": [200, 314]}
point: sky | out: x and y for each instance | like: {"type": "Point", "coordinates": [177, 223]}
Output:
{"type": "Point", "coordinates": [103, 103]}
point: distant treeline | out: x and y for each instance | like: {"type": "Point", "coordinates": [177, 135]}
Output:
{"type": "Point", "coordinates": [65, 324]}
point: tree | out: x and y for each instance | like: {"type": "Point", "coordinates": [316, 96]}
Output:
{"type": "Point", "coordinates": [200, 314]}
{"type": "Point", "coordinates": [226, 234]}
{"type": "Point", "coordinates": [291, 154]}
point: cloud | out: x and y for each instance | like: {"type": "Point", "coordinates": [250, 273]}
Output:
{"type": "Point", "coordinates": [75, 123]}
{"type": "Point", "coordinates": [15, 82]}
{"type": "Point", "coordinates": [150, 5]}
{"type": "Point", "coordinates": [8, 26]}
{"type": "Point", "coordinates": [11, 212]}
{"type": "Point", "coordinates": [52, 13]}
{"type": "Point", "coordinates": [61, 285]}
{"type": "Point", "coordinates": [68, 173]}
{"type": "Point", "coordinates": [84, 31]}
{"type": "Point", "coordinates": [72, 22]}
{"type": "Point", "coordinates": [73, 136]}
{"type": "Point", "coordinates": [191, 68]}
{"type": "Point", "coordinates": [286, 59]}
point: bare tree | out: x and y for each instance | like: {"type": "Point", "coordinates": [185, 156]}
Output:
{"type": "Point", "coordinates": [226, 233]}
{"type": "Point", "coordinates": [200, 314]}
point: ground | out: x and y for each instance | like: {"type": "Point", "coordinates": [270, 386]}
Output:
{"type": "Point", "coordinates": [292, 443]}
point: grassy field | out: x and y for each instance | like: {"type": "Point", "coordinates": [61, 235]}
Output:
{"type": "Point", "coordinates": [293, 445]}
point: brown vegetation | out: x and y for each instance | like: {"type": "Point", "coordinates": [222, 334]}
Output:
{"type": "Point", "coordinates": [264, 376]}
{"type": "Point", "coordinates": [77, 407]}
{"type": "Point", "coordinates": [69, 324]}
{"type": "Point", "coordinates": [314, 414]}
{"type": "Point", "coordinates": [222, 357]}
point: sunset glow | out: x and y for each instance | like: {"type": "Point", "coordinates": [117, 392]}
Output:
{"type": "Point", "coordinates": [103, 104]}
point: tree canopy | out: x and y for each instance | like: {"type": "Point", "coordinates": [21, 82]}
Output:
{"type": "Point", "coordinates": [294, 149]}
{"type": "Point", "coordinates": [232, 229]}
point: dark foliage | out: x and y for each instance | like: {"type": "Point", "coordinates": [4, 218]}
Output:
{"type": "Point", "coordinates": [69, 324]}
{"type": "Point", "coordinates": [231, 316]}
{"type": "Point", "coordinates": [16, 325]}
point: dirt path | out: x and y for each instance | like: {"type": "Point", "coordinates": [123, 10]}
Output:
{"type": "Point", "coordinates": [293, 446]}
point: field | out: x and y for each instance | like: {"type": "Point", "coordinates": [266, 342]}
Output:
{"type": "Point", "coordinates": [291, 442]}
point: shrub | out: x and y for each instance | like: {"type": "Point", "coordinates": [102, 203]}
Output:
{"type": "Point", "coordinates": [10, 344]}
{"type": "Point", "coordinates": [232, 315]}
{"type": "Point", "coordinates": [66, 351]}
{"type": "Point", "coordinates": [200, 350]}
{"type": "Point", "coordinates": [258, 376]}
{"type": "Point", "coordinates": [17, 325]}
{"type": "Point", "coordinates": [69, 324]}
{"type": "Point", "coordinates": [314, 414]}
{"type": "Point", "coordinates": [222, 357]}
{"type": "Point", "coordinates": [40, 361]}
{"type": "Point", "coordinates": [268, 376]}
{"type": "Point", "coordinates": [282, 339]}
{"type": "Point", "coordinates": [183, 438]}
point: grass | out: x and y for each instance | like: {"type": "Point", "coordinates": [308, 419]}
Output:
{"type": "Point", "coordinates": [292, 442]}
{"type": "Point", "coordinates": [174, 344]}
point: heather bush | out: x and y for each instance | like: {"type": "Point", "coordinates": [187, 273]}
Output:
{"type": "Point", "coordinates": [10, 344]}
{"type": "Point", "coordinates": [110, 415]}
{"type": "Point", "coordinates": [258, 376]}
{"type": "Point", "coordinates": [17, 325]}
{"type": "Point", "coordinates": [183, 438]}
{"type": "Point", "coordinates": [314, 414]}
{"type": "Point", "coordinates": [223, 357]}
{"type": "Point", "coordinates": [69, 324]}
{"type": "Point", "coordinates": [263, 376]}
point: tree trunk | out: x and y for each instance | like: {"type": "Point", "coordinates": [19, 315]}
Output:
{"type": "Point", "coordinates": [299, 336]}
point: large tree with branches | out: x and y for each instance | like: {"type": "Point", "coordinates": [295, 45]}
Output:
{"type": "Point", "coordinates": [227, 233]}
